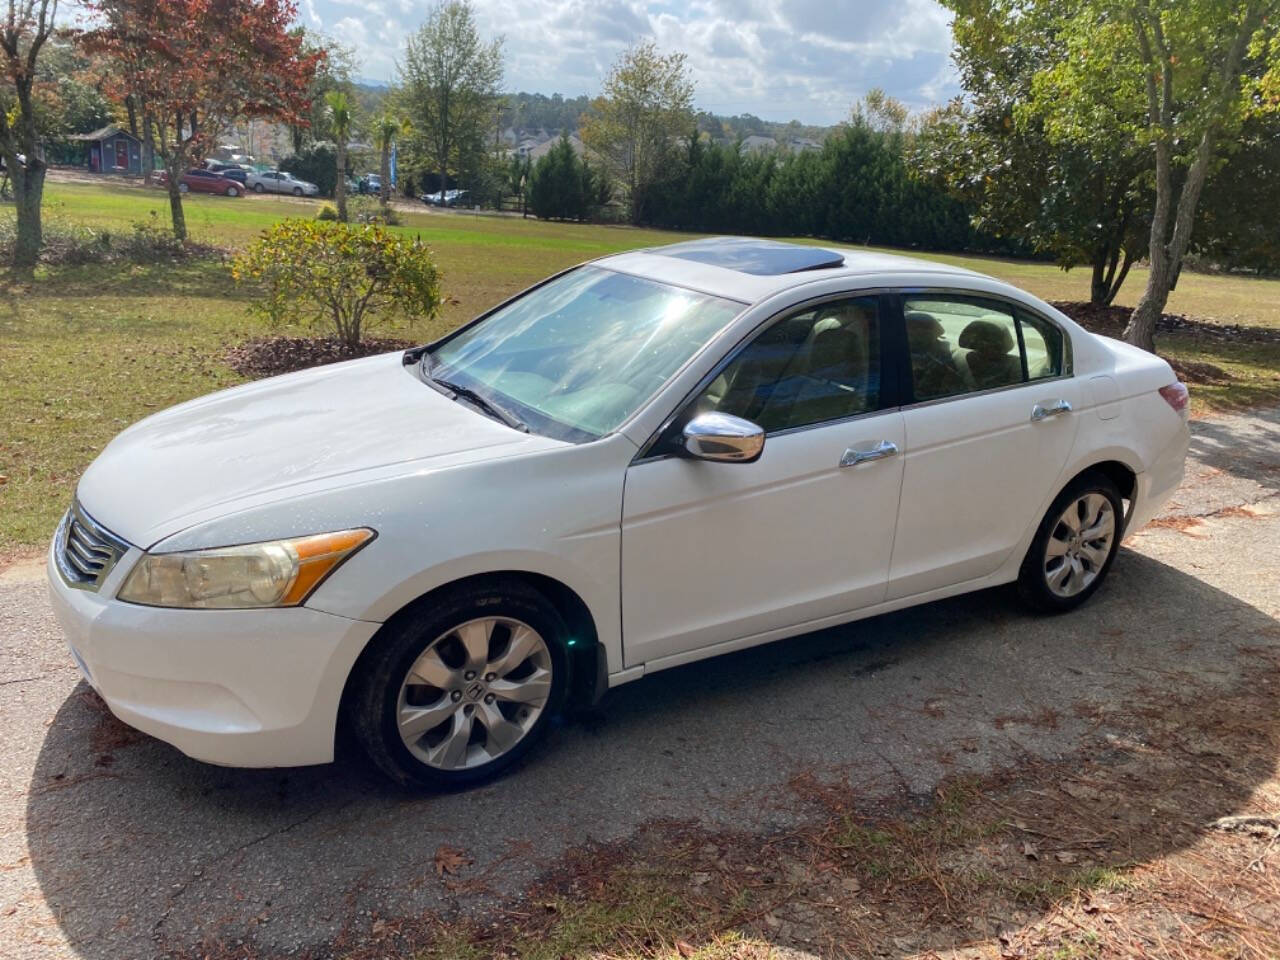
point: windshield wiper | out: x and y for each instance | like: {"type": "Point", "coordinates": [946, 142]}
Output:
{"type": "Point", "coordinates": [481, 401]}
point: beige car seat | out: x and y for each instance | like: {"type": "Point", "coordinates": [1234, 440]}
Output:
{"type": "Point", "coordinates": [992, 359]}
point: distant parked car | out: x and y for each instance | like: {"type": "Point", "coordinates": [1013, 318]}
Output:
{"type": "Point", "coordinates": [238, 174]}
{"type": "Point", "coordinates": [371, 183]}
{"type": "Point", "coordinates": [205, 181]}
{"type": "Point", "coordinates": [277, 181]}
{"type": "Point", "coordinates": [447, 198]}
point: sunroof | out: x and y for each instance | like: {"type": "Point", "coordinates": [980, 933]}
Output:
{"type": "Point", "coordinates": [764, 258]}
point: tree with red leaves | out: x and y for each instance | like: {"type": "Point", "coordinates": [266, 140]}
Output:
{"type": "Point", "coordinates": [196, 66]}
{"type": "Point", "coordinates": [24, 30]}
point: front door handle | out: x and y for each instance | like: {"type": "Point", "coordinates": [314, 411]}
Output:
{"type": "Point", "coordinates": [884, 448]}
{"type": "Point", "coordinates": [1050, 408]}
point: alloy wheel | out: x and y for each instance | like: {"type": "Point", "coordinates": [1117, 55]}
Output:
{"type": "Point", "coordinates": [1079, 545]}
{"type": "Point", "coordinates": [474, 693]}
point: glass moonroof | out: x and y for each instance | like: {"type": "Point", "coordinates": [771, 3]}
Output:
{"type": "Point", "coordinates": [764, 258]}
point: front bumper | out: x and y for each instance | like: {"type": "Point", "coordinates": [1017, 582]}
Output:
{"type": "Point", "coordinates": [244, 688]}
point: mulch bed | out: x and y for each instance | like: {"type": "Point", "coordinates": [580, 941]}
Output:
{"type": "Point", "coordinates": [270, 356]}
{"type": "Point", "coordinates": [1110, 322]}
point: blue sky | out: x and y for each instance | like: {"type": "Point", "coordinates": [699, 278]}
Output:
{"type": "Point", "coordinates": [781, 60]}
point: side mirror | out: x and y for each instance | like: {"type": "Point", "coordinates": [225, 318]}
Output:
{"type": "Point", "coordinates": [724, 438]}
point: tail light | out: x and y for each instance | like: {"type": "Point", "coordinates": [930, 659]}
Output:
{"type": "Point", "coordinates": [1176, 395]}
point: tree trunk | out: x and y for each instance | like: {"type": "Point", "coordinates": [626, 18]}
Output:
{"type": "Point", "coordinates": [384, 171]}
{"type": "Point", "coordinates": [175, 205]}
{"type": "Point", "coordinates": [148, 149]}
{"type": "Point", "coordinates": [1098, 284]}
{"type": "Point", "coordinates": [1167, 248]}
{"type": "Point", "coordinates": [28, 190]}
{"type": "Point", "coordinates": [340, 188]}
{"type": "Point", "coordinates": [1110, 267]}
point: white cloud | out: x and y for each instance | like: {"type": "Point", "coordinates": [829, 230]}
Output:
{"type": "Point", "coordinates": [779, 59]}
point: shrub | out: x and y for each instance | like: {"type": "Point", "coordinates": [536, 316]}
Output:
{"type": "Point", "coordinates": [370, 210]}
{"type": "Point", "coordinates": [317, 164]}
{"type": "Point", "coordinates": [327, 212]}
{"type": "Point", "coordinates": [346, 277]}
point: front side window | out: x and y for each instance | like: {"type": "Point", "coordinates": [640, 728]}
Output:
{"type": "Point", "coordinates": [964, 344]}
{"type": "Point", "coordinates": [577, 356]}
{"type": "Point", "coordinates": [815, 366]}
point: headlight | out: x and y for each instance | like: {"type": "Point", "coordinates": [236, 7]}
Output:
{"type": "Point", "coordinates": [278, 573]}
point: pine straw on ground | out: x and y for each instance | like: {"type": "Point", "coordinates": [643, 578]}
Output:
{"type": "Point", "coordinates": [1110, 322]}
{"type": "Point", "coordinates": [1118, 851]}
{"type": "Point", "coordinates": [269, 356]}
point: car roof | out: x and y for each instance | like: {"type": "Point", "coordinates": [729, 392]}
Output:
{"type": "Point", "coordinates": [748, 269]}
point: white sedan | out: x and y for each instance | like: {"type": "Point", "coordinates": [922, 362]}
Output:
{"type": "Point", "coordinates": [641, 462]}
{"type": "Point", "coordinates": [278, 181]}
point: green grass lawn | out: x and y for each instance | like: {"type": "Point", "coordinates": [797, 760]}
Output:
{"type": "Point", "coordinates": [85, 351]}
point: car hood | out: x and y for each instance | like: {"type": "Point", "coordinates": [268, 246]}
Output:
{"type": "Point", "coordinates": [328, 427]}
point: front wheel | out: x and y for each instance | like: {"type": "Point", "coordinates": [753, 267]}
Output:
{"type": "Point", "coordinates": [297, 191]}
{"type": "Point", "coordinates": [232, 192]}
{"type": "Point", "coordinates": [1075, 545]}
{"type": "Point", "coordinates": [183, 188]}
{"type": "Point", "coordinates": [459, 691]}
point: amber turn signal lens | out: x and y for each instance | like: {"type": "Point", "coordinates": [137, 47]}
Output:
{"type": "Point", "coordinates": [317, 557]}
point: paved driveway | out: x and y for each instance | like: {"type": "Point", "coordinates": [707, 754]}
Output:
{"type": "Point", "coordinates": [113, 845]}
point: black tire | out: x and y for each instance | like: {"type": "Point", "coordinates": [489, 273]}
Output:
{"type": "Point", "coordinates": [297, 191]}
{"type": "Point", "coordinates": [1033, 582]}
{"type": "Point", "coordinates": [258, 188]}
{"type": "Point", "coordinates": [376, 685]}
{"type": "Point", "coordinates": [233, 192]}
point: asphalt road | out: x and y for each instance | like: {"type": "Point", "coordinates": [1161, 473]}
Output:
{"type": "Point", "coordinates": [113, 845]}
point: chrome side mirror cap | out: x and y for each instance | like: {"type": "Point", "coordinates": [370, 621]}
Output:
{"type": "Point", "coordinates": [723, 438]}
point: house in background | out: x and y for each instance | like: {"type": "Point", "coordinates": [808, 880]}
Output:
{"type": "Point", "coordinates": [112, 150]}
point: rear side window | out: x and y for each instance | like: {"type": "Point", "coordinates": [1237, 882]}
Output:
{"type": "Point", "coordinates": [961, 345]}
{"type": "Point", "coordinates": [1043, 344]}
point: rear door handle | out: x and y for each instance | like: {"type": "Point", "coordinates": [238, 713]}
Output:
{"type": "Point", "coordinates": [1050, 408]}
{"type": "Point", "coordinates": [884, 448]}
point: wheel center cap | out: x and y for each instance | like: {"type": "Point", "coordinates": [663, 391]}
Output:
{"type": "Point", "coordinates": [474, 691]}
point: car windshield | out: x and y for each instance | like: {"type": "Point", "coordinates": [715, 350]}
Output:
{"type": "Point", "coordinates": [577, 356]}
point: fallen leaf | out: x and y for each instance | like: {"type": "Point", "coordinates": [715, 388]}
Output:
{"type": "Point", "coordinates": [685, 949]}
{"type": "Point", "coordinates": [1029, 851]}
{"type": "Point", "coordinates": [450, 860]}
{"type": "Point", "coordinates": [1065, 856]}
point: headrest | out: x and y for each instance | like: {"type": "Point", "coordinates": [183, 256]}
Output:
{"type": "Point", "coordinates": [923, 326]}
{"type": "Point", "coordinates": [987, 337]}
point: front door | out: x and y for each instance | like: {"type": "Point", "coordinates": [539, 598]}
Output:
{"type": "Point", "coordinates": [987, 438]}
{"type": "Point", "coordinates": [122, 153]}
{"type": "Point", "coordinates": [717, 552]}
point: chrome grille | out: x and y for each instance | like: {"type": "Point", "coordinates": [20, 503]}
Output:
{"type": "Point", "coordinates": [86, 551]}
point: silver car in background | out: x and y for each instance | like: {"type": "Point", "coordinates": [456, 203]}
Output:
{"type": "Point", "coordinates": [278, 181]}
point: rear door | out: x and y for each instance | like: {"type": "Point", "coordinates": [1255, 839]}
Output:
{"type": "Point", "coordinates": [716, 552]}
{"type": "Point", "coordinates": [988, 433]}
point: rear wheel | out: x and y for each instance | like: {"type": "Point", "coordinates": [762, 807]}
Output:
{"type": "Point", "coordinates": [258, 188]}
{"type": "Point", "coordinates": [1075, 545]}
{"type": "Point", "coordinates": [459, 691]}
